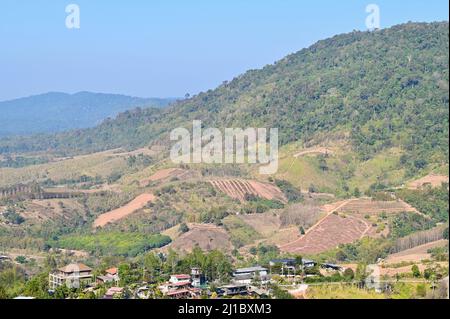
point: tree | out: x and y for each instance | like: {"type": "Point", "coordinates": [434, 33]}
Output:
{"type": "Point", "coordinates": [37, 286]}
{"type": "Point", "coordinates": [415, 271]}
{"type": "Point", "coordinates": [349, 274]}
{"type": "Point", "coordinates": [127, 275]}
{"type": "Point", "coordinates": [361, 273]}
{"type": "Point", "coordinates": [50, 262]}
{"type": "Point", "coordinates": [152, 264]}
{"type": "Point", "coordinates": [21, 259]}
{"type": "Point", "coordinates": [183, 228]}
{"type": "Point", "coordinates": [302, 230]}
{"type": "Point", "coordinates": [279, 293]}
{"type": "Point", "coordinates": [3, 293]}
{"type": "Point", "coordinates": [323, 164]}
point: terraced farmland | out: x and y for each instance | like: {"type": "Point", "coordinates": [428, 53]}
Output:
{"type": "Point", "coordinates": [239, 188]}
{"type": "Point", "coordinates": [344, 223]}
{"type": "Point", "coordinates": [166, 175]}
{"type": "Point", "coordinates": [330, 232]}
{"type": "Point", "coordinates": [369, 206]}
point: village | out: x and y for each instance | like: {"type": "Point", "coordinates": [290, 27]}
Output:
{"type": "Point", "coordinates": [288, 277]}
{"type": "Point", "coordinates": [255, 282]}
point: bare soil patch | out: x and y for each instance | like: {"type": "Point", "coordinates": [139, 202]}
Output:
{"type": "Point", "coordinates": [124, 211]}
{"type": "Point", "coordinates": [330, 232]}
{"type": "Point", "coordinates": [207, 236]}
{"type": "Point", "coordinates": [415, 254]}
{"type": "Point", "coordinates": [344, 223]}
{"type": "Point", "coordinates": [432, 180]}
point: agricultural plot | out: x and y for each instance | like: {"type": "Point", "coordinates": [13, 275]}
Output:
{"type": "Point", "coordinates": [167, 175]}
{"type": "Point", "coordinates": [345, 222]}
{"type": "Point", "coordinates": [330, 232]}
{"type": "Point", "coordinates": [367, 206]}
{"type": "Point", "coordinates": [239, 189]}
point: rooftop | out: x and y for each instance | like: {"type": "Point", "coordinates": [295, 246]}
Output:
{"type": "Point", "coordinates": [74, 268]}
{"type": "Point", "coordinates": [114, 290]}
{"type": "Point", "coordinates": [181, 276]}
{"type": "Point", "coordinates": [250, 269]}
{"type": "Point", "coordinates": [112, 271]}
{"type": "Point", "coordinates": [177, 292]}
{"type": "Point", "coordinates": [181, 283]}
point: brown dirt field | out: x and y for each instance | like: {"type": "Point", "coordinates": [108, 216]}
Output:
{"type": "Point", "coordinates": [415, 254]}
{"type": "Point", "coordinates": [350, 225]}
{"type": "Point", "coordinates": [207, 236]}
{"type": "Point", "coordinates": [239, 188]}
{"type": "Point", "coordinates": [330, 232]}
{"type": "Point", "coordinates": [367, 206]}
{"type": "Point", "coordinates": [433, 180]}
{"type": "Point", "coordinates": [315, 151]}
{"type": "Point", "coordinates": [165, 174]}
{"type": "Point", "coordinates": [122, 212]}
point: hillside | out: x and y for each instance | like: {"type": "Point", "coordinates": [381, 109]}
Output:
{"type": "Point", "coordinates": [386, 89]}
{"type": "Point", "coordinates": [56, 112]}
{"type": "Point", "coordinates": [355, 112]}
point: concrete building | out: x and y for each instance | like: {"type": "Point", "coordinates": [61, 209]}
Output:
{"type": "Point", "coordinates": [197, 278]}
{"type": "Point", "coordinates": [247, 275]}
{"type": "Point", "coordinates": [73, 276]}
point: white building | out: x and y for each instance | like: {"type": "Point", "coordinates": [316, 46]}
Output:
{"type": "Point", "coordinates": [248, 275]}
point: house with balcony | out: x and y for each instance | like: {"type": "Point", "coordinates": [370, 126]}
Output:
{"type": "Point", "coordinates": [72, 275]}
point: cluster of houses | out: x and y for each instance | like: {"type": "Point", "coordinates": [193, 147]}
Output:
{"type": "Point", "coordinates": [79, 275]}
{"type": "Point", "coordinates": [183, 286]}
{"type": "Point", "coordinates": [245, 281]}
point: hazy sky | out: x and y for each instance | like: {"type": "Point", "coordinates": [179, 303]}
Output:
{"type": "Point", "coordinates": [167, 47]}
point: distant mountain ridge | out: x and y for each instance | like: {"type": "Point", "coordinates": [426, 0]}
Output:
{"type": "Point", "coordinates": [55, 111]}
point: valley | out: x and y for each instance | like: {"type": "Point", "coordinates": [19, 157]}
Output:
{"type": "Point", "coordinates": [362, 183]}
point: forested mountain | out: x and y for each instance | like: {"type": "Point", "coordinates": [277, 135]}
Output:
{"type": "Point", "coordinates": [56, 112]}
{"type": "Point", "coordinates": [387, 88]}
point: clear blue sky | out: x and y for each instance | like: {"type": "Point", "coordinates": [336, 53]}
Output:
{"type": "Point", "coordinates": [168, 47]}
